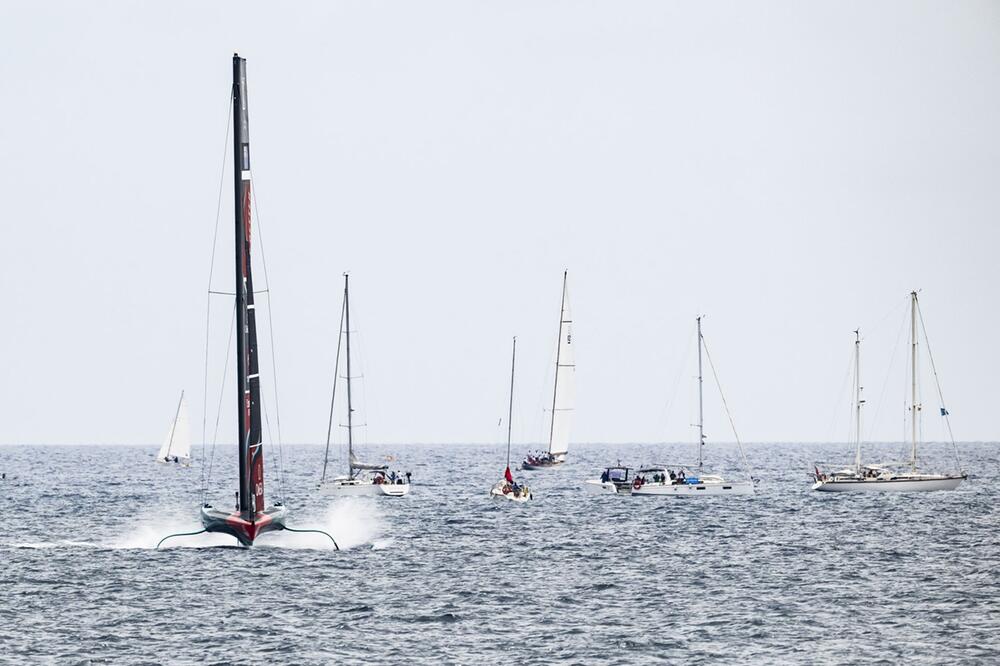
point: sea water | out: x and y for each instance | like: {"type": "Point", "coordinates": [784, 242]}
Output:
{"type": "Point", "coordinates": [447, 575]}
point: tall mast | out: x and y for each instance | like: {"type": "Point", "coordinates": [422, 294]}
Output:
{"type": "Point", "coordinates": [510, 406]}
{"type": "Point", "coordinates": [701, 410]}
{"type": "Point", "coordinates": [350, 409]}
{"type": "Point", "coordinates": [857, 400]}
{"type": "Point", "coordinates": [241, 193]}
{"type": "Point", "coordinates": [555, 383]}
{"type": "Point", "coordinates": [333, 393]}
{"type": "Point", "coordinates": [173, 428]}
{"type": "Point", "coordinates": [914, 406]}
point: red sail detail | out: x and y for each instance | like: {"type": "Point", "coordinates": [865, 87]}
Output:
{"type": "Point", "coordinates": [257, 478]}
{"type": "Point", "coordinates": [246, 226]}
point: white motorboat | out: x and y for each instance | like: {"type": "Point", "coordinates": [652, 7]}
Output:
{"type": "Point", "coordinates": [362, 479]}
{"type": "Point", "coordinates": [508, 488]}
{"type": "Point", "coordinates": [176, 447]}
{"type": "Point", "coordinates": [891, 477]}
{"type": "Point", "coordinates": [613, 481]}
{"type": "Point", "coordinates": [563, 394]}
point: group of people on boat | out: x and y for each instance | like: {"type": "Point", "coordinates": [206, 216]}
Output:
{"type": "Point", "coordinates": [540, 458]}
{"type": "Point", "coordinates": [171, 459]}
{"type": "Point", "coordinates": [514, 487]}
{"type": "Point", "coordinates": [391, 478]}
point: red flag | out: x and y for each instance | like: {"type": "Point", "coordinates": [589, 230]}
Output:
{"type": "Point", "coordinates": [507, 475]}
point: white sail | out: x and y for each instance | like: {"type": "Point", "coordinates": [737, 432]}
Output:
{"type": "Point", "coordinates": [177, 443]}
{"type": "Point", "coordinates": [564, 391]}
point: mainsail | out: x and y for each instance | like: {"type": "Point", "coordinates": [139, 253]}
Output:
{"type": "Point", "coordinates": [564, 390]}
{"type": "Point", "coordinates": [177, 443]}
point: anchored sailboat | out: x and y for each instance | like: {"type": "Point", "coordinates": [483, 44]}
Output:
{"type": "Point", "coordinates": [563, 394]}
{"type": "Point", "coordinates": [888, 477]}
{"type": "Point", "coordinates": [176, 446]}
{"type": "Point", "coordinates": [681, 480]}
{"type": "Point", "coordinates": [361, 478]}
{"type": "Point", "coordinates": [507, 488]}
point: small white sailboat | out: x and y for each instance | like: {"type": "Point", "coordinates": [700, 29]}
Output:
{"type": "Point", "coordinates": [890, 477]}
{"type": "Point", "coordinates": [507, 488]}
{"type": "Point", "coordinates": [176, 448]}
{"type": "Point", "coordinates": [362, 479]}
{"type": "Point", "coordinates": [683, 481]}
{"type": "Point", "coordinates": [563, 394]}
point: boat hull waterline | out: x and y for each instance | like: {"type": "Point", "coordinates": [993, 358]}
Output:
{"type": "Point", "coordinates": [900, 485]}
{"type": "Point", "coordinates": [364, 489]}
{"type": "Point", "coordinates": [689, 489]}
{"type": "Point", "coordinates": [238, 526]}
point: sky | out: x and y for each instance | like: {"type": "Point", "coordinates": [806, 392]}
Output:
{"type": "Point", "coordinates": [789, 170]}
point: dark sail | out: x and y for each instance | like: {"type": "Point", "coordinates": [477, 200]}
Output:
{"type": "Point", "coordinates": [251, 458]}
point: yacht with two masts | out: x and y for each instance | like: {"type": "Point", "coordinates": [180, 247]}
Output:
{"type": "Point", "coordinates": [892, 476]}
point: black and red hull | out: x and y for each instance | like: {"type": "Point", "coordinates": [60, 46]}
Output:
{"type": "Point", "coordinates": [240, 526]}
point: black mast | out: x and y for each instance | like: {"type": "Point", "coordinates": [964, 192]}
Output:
{"type": "Point", "coordinates": [251, 493]}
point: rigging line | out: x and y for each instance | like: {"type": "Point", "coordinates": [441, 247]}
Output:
{"type": "Point", "coordinates": [208, 304]}
{"type": "Point", "coordinates": [677, 380]}
{"type": "Point", "coordinates": [732, 424]}
{"type": "Point", "coordinates": [840, 392]}
{"type": "Point", "coordinates": [937, 383]}
{"type": "Point", "coordinates": [267, 425]}
{"type": "Point", "coordinates": [270, 328]}
{"type": "Point", "coordinates": [885, 383]}
{"type": "Point", "coordinates": [222, 394]}
{"type": "Point", "coordinates": [333, 393]}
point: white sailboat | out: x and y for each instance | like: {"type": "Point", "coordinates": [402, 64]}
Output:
{"type": "Point", "coordinates": [890, 477]}
{"type": "Point", "coordinates": [563, 394]}
{"type": "Point", "coordinates": [507, 488]}
{"type": "Point", "coordinates": [176, 448]}
{"type": "Point", "coordinates": [679, 479]}
{"type": "Point", "coordinates": [362, 479]}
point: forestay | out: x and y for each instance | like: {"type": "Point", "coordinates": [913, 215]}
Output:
{"type": "Point", "coordinates": [564, 391]}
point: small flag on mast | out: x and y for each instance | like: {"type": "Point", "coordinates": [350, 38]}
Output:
{"type": "Point", "coordinates": [944, 412]}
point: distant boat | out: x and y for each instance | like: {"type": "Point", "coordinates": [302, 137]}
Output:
{"type": "Point", "coordinates": [889, 477]}
{"type": "Point", "coordinates": [682, 480]}
{"type": "Point", "coordinates": [362, 479]}
{"type": "Point", "coordinates": [508, 488]}
{"type": "Point", "coordinates": [176, 447]}
{"type": "Point", "coordinates": [251, 516]}
{"type": "Point", "coordinates": [563, 394]}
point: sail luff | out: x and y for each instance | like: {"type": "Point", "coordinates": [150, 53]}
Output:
{"type": "Point", "coordinates": [564, 385]}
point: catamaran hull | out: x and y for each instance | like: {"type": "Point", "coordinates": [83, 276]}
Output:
{"type": "Point", "coordinates": [695, 489]}
{"type": "Point", "coordinates": [338, 489]}
{"type": "Point", "coordinates": [237, 525]}
{"type": "Point", "coordinates": [890, 485]}
{"type": "Point", "coordinates": [597, 487]}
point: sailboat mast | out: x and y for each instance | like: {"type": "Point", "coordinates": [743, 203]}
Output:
{"type": "Point", "coordinates": [555, 383]}
{"type": "Point", "coordinates": [914, 407]}
{"type": "Point", "coordinates": [857, 400]}
{"type": "Point", "coordinates": [510, 404]}
{"type": "Point", "coordinates": [701, 408]}
{"type": "Point", "coordinates": [173, 428]}
{"type": "Point", "coordinates": [241, 184]}
{"type": "Point", "coordinates": [333, 393]}
{"type": "Point", "coordinates": [350, 409]}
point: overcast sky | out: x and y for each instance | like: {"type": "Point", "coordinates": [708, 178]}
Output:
{"type": "Point", "coordinates": [791, 170]}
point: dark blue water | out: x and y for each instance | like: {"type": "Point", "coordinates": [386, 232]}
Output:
{"type": "Point", "coordinates": [448, 576]}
